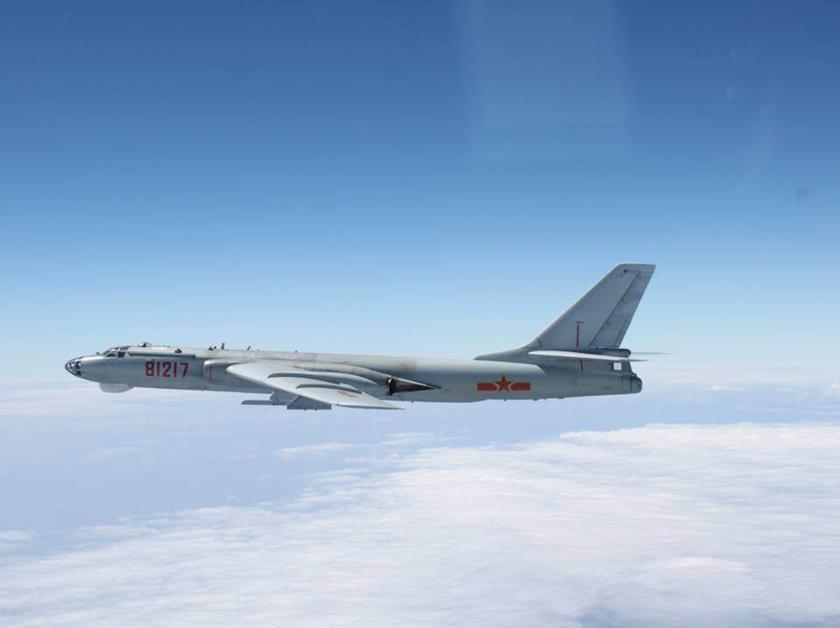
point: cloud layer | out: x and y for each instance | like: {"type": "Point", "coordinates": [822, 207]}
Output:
{"type": "Point", "coordinates": [662, 525]}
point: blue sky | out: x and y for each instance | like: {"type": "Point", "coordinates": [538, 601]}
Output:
{"type": "Point", "coordinates": [436, 178]}
{"type": "Point", "coordinates": [372, 177]}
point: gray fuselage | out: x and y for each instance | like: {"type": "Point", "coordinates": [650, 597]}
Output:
{"type": "Point", "coordinates": [578, 355]}
{"type": "Point", "coordinates": [446, 380]}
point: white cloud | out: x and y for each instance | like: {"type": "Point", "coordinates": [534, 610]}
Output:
{"type": "Point", "coordinates": [12, 539]}
{"type": "Point", "coordinates": [314, 449]}
{"type": "Point", "coordinates": [663, 525]}
{"type": "Point", "coordinates": [74, 398]}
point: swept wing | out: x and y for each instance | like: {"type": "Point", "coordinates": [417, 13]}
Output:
{"type": "Point", "coordinates": [317, 386]}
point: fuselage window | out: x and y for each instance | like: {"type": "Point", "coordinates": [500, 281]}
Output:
{"type": "Point", "coordinates": [616, 366]}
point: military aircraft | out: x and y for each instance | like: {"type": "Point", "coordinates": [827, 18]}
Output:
{"type": "Point", "coordinates": [578, 355]}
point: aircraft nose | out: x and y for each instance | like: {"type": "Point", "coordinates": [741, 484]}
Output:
{"type": "Point", "coordinates": [74, 367]}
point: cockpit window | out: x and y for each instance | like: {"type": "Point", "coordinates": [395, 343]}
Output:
{"type": "Point", "coordinates": [115, 352]}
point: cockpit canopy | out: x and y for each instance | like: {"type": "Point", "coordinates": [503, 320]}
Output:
{"type": "Point", "coordinates": [115, 352]}
{"type": "Point", "coordinates": [140, 349]}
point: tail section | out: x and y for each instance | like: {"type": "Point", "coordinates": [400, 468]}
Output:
{"type": "Point", "coordinates": [600, 318]}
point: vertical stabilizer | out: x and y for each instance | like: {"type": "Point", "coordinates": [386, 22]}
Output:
{"type": "Point", "coordinates": [600, 318]}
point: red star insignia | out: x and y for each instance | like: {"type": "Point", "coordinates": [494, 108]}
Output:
{"type": "Point", "coordinates": [503, 384]}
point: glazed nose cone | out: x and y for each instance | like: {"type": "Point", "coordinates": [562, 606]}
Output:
{"type": "Point", "coordinates": [74, 367]}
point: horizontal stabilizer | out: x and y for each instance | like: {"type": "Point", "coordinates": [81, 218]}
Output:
{"type": "Point", "coordinates": [581, 355]}
{"type": "Point", "coordinates": [652, 353]}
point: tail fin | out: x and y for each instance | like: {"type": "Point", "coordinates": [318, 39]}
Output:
{"type": "Point", "coordinates": [600, 318]}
